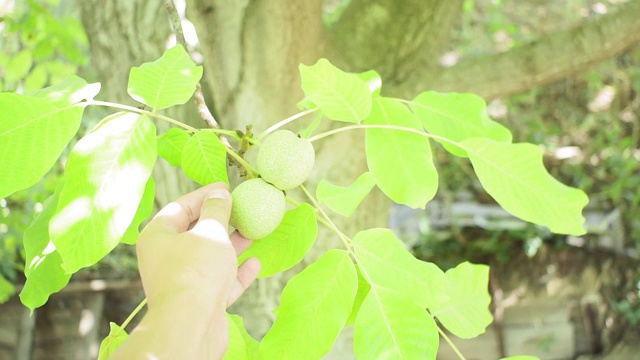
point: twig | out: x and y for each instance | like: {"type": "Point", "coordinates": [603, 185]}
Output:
{"type": "Point", "coordinates": [176, 24]}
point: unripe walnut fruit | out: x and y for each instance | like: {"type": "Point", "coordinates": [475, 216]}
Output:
{"type": "Point", "coordinates": [257, 208]}
{"type": "Point", "coordinates": [285, 160]}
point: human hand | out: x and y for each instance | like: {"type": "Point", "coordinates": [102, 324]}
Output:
{"type": "Point", "coordinates": [190, 274]}
{"type": "Point", "coordinates": [185, 252]}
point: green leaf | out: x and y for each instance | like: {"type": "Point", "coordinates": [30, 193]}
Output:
{"type": "Point", "coordinates": [363, 290]}
{"type": "Point", "coordinates": [36, 79]}
{"type": "Point", "coordinates": [105, 177]}
{"type": "Point", "coordinates": [400, 161]}
{"type": "Point", "coordinates": [71, 91]}
{"type": "Point", "coordinates": [19, 66]}
{"type": "Point", "coordinates": [43, 264]}
{"type": "Point", "coordinates": [373, 80]}
{"type": "Point", "coordinates": [43, 49]}
{"type": "Point", "coordinates": [466, 313]}
{"type": "Point", "coordinates": [340, 96]}
{"type": "Point", "coordinates": [308, 131]}
{"type": "Point", "coordinates": [204, 158]}
{"type": "Point", "coordinates": [383, 257]}
{"type": "Point", "coordinates": [145, 209]}
{"type": "Point", "coordinates": [521, 357]}
{"type": "Point", "coordinates": [514, 175]}
{"type": "Point", "coordinates": [33, 133]}
{"type": "Point", "coordinates": [390, 325]}
{"type": "Point", "coordinates": [242, 346]}
{"type": "Point", "coordinates": [170, 145]}
{"type": "Point", "coordinates": [168, 81]}
{"type": "Point", "coordinates": [345, 200]}
{"type": "Point", "coordinates": [6, 289]}
{"type": "Point", "coordinates": [314, 308]}
{"type": "Point", "coordinates": [110, 344]}
{"type": "Point", "coordinates": [457, 117]}
{"type": "Point", "coordinates": [288, 244]}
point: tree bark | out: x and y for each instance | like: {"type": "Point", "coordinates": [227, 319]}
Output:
{"type": "Point", "coordinates": [123, 34]}
{"type": "Point", "coordinates": [551, 58]}
{"type": "Point", "coordinates": [395, 40]}
{"type": "Point", "coordinates": [251, 51]}
{"type": "Point", "coordinates": [252, 48]}
{"type": "Point", "coordinates": [251, 54]}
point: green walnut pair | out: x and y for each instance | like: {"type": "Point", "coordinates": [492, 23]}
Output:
{"type": "Point", "coordinates": [284, 162]}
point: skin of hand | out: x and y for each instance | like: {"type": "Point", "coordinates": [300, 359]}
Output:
{"type": "Point", "coordinates": [190, 274]}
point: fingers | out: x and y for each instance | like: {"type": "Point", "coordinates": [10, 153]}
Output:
{"type": "Point", "coordinates": [214, 215]}
{"type": "Point", "coordinates": [239, 242]}
{"type": "Point", "coordinates": [247, 273]}
{"type": "Point", "coordinates": [179, 214]}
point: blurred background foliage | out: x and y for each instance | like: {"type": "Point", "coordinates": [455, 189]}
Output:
{"type": "Point", "coordinates": [42, 42]}
{"type": "Point", "coordinates": [587, 126]}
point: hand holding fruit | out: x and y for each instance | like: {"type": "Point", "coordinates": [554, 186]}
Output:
{"type": "Point", "coordinates": [190, 274]}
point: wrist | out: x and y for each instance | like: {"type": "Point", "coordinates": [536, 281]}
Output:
{"type": "Point", "coordinates": [188, 303]}
{"type": "Point", "coordinates": [183, 327]}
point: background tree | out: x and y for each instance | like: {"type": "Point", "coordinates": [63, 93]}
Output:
{"type": "Point", "coordinates": [251, 50]}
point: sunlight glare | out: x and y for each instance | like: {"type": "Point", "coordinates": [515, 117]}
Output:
{"type": "Point", "coordinates": [73, 213]}
{"type": "Point", "coordinates": [87, 320]}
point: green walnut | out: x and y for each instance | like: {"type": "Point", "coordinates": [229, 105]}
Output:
{"type": "Point", "coordinates": [258, 208]}
{"type": "Point", "coordinates": [285, 160]}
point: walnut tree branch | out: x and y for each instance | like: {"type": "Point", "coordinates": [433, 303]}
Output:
{"type": "Point", "coordinates": [176, 24]}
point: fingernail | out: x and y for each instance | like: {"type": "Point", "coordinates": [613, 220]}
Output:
{"type": "Point", "coordinates": [220, 194]}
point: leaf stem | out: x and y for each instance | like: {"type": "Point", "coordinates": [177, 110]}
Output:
{"type": "Point", "coordinates": [319, 217]}
{"type": "Point", "coordinates": [198, 97]}
{"type": "Point", "coordinates": [388, 127]}
{"type": "Point", "coordinates": [286, 121]}
{"type": "Point", "coordinates": [230, 133]}
{"type": "Point", "coordinates": [241, 161]}
{"type": "Point", "coordinates": [345, 239]}
{"type": "Point", "coordinates": [448, 340]}
{"type": "Point", "coordinates": [149, 113]}
{"type": "Point", "coordinates": [134, 313]}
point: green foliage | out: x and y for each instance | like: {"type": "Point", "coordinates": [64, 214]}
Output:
{"type": "Point", "coordinates": [110, 344]}
{"type": "Point", "coordinates": [457, 117]}
{"type": "Point", "coordinates": [104, 182]}
{"type": "Point", "coordinates": [287, 244]}
{"type": "Point", "coordinates": [388, 264]}
{"type": "Point", "coordinates": [204, 158]}
{"type": "Point", "coordinates": [390, 325]}
{"type": "Point", "coordinates": [43, 267]}
{"type": "Point", "coordinates": [145, 208]}
{"type": "Point", "coordinates": [400, 161]}
{"type": "Point", "coordinates": [516, 178]}
{"type": "Point", "coordinates": [33, 133]}
{"type": "Point", "coordinates": [40, 47]}
{"type": "Point", "coordinates": [339, 95]}
{"type": "Point", "coordinates": [345, 200]}
{"type": "Point", "coordinates": [241, 345]}
{"type": "Point", "coordinates": [465, 312]}
{"type": "Point", "coordinates": [6, 289]}
{"type": "Point", "coordinates": [392, 298]}
{"type": "Point", "coordinates": [171, 144]}
{"type": "Point", "coordinates": [314, 308]}
{"type": "Point", "coordinates": [159, 85]}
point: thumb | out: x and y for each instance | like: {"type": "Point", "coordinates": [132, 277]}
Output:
{"type": "Point", "coordinates": [215, 213]}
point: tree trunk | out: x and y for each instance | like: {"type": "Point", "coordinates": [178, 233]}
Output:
{"type": "Point", "coordinates": [551, 58]}
{"type": "Point", "coordinates": [252, 49]}
{"type": "Point", "coordinates": [123, 34]}
{"type": "Point", "coordinates": [251, 53]}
